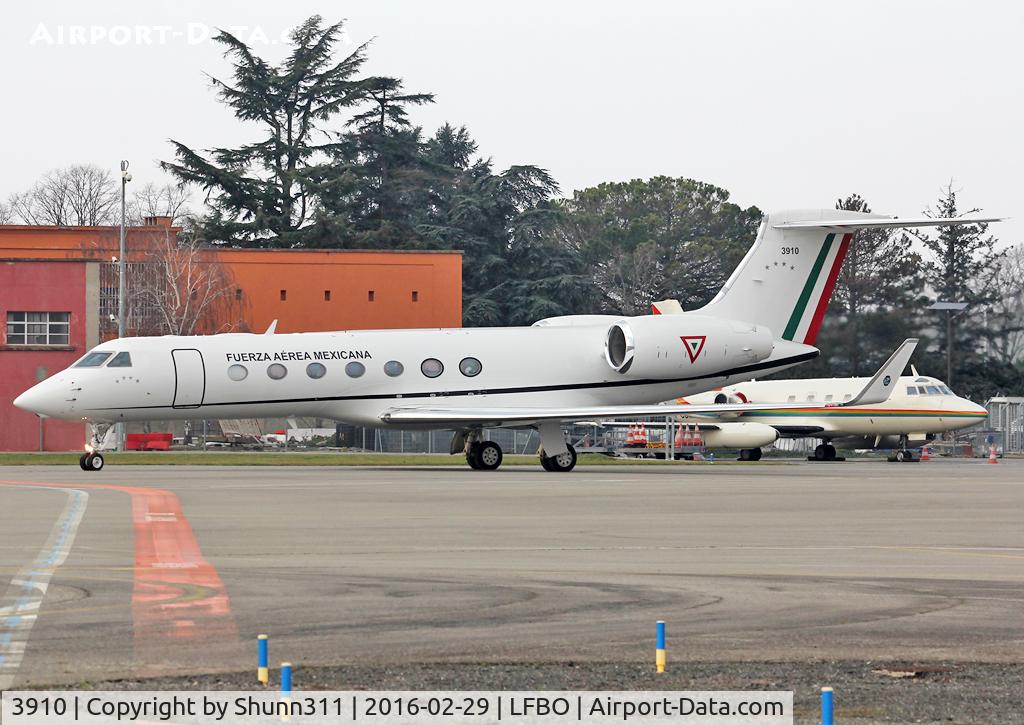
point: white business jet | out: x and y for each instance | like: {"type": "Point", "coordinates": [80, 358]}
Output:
{"type": "Point", "coordinates": [560, 370]}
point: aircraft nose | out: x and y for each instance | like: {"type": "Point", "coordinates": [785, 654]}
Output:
{"type": "Point", "coordinates": [38, 399]}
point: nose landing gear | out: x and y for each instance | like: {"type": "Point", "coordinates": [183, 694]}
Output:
{"type": "Point", "coordinates": [91, 462]}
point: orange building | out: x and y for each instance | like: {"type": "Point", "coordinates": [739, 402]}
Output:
{"type": "Point", "coordinates": [58, 293]}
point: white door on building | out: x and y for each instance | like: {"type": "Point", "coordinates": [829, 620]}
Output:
{"type": "Point", "coordinates": [189, 378]}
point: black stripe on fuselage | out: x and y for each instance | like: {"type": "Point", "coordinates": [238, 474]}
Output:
{"type": "Point", "coordinates": [804, 357]}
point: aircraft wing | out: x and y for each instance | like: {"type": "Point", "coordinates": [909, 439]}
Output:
{"type": "Point", "coordinates": [894, 223]}
{"type": "Point", "coordinates": [876, 391]}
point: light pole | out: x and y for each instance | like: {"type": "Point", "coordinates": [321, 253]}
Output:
{"type": "Point", "coordinates": [122, 302]}
{"type": "Point", "coordinates": [949, 308]}
{"type": "Point", "coordinates": [122, 292]}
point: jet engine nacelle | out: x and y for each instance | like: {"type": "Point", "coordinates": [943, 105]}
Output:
{"type": "Point", "coordinates": [682, 346]}
{"type": "Point", "coordinates": [740, 435]}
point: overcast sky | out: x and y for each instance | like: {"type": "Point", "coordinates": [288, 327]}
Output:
{"type": "Point", "coordinates": [786, 104]}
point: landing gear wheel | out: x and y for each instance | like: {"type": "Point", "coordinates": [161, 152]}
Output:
{"type": "Point", "coordinates": [904, 456]}
{"type": "Point", "coordinates": [819, 452]}
{"type": "Point", "coordinates": [830, 452]}
{"type": "Point", "coordinates": [750, 454]}
{"type": "Point", "coordinates": [561, 463]}
{"type": "Point", "coordinates": [91, 462]}
{"type": "Point", "coordinates": [472, 457]}
{"type": "Point", "coordinates": [488, 456]}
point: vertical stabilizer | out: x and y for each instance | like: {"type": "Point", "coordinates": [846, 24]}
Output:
{"type": "Point", "coordinates": [786, 279]}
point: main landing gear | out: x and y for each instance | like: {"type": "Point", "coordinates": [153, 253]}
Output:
{"type": "Point", "coordinates": [487, 455]}
{"type": "Point", "coordinates": [561, 463]}
{"type": "Point", "coordinates": [483, 455]}
{"type": "Point", "coordinates": [750, 454]}
{"type": "Point", "coordinates": [825, 452]}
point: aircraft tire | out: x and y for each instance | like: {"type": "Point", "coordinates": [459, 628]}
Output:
{"type": "Point", "coordinates": [488, 456]}
{"type": "Point", "coordinates": [819, 452]}
{"type": "Point", "coordinates": [830, 452]}
{"type": "Point", "coordinates": [561, 464]}
{"type": "Point", "coordinates": [750, 454]}
{"type": "Point", "coordinates": [81, 461]}
{"type": "Point", "coordinates": [472, 456]}
{"type": "Point", "coordinates": [93, 462]}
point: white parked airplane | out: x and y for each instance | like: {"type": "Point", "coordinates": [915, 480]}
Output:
{"type": "Point", "coordinates": [918, 408]}
{"type": "Point", "coordinates": [563, 369]}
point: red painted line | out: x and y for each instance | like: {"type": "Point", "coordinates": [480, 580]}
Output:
{"type": "Point", "coordinates": [177, 593]}
{"type": "Point", "coordinates": [826, 293]}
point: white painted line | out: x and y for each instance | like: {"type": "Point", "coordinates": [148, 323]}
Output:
{"type": "Point", "coordinates": [19, 607]}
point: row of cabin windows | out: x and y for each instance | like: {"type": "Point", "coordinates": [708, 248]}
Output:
{"type": "Point", "coordinates": [431, 368]}
{"type": "Point", "coordinates": [370, 295]}
{"type": "Point", "coordinates": [811, 397]}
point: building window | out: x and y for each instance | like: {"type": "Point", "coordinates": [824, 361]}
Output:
{"type": "Point", "coordinates": [38, 328]}
{"type": "Point", "coordinates": [393, 368]}
{"type": "Point", "coordinates": [238, 372]}
{"type": "Point", "coordinates": [327, 295]}
{"type": "Point", "coordinates": [316, 370]}
{"type": "Point", "coordinates": [470, 367]}
{"type": "Point", "coordinates": [355, 369]}
{"type": "Point", "coordinates": [276, 371]}
{"type": "Point", "coordinates": [369, 296]}
{"type": "Point", "coordinates": [415, 296]}
{"type": "Point", "coordinates": [284, 295]}
{"type": "Point", "coordinates": [238, 295]}
{"type": "Point", "coordinates": [431, 367]}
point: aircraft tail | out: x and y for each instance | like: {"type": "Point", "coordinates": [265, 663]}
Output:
{"type": "Point", "coordinates": [786, 279]}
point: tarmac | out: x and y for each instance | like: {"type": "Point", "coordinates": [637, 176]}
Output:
{"type": "Point", "coordinates": [175, 570]}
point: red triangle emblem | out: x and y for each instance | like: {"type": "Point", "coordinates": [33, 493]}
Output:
{"type": "Point", "coordinates": [694, 345]}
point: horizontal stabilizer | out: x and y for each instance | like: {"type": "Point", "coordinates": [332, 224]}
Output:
{"type": "Point", "coordinates": [893, 223]}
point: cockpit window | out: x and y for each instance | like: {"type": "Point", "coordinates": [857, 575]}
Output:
{"type": "Point", "coordinates": [932, 390]}
{"type": "Point", "coordinates": [945, 390]}
{"type": "Point", "coordinates": [93, 360]}
{"type": "Point", "coordinates": [121, 360]}
{"type": "Point", "coordinates": [911, 390]}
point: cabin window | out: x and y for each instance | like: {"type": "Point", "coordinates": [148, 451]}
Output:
{"type": "Point", "coordinates": [791, 399]}
{"type": "Point", "coordinates": [238, 372]}
{"type": "Point", "coordinates": [327, 295]}
{"type": "Point", "coordinates": [810, 397]}
{"type": "Point", "coordinates": [415, 296]}
{"type": "Point", "coordinates": [316, 370]}
{"type": "Point", "coordinates": [284, 295]}
{"type": "Point", "coordinates": [828, 398]}
{"type": "Point", "coordinates": [911, 390]}
{"type": "Point", "coordinates": [355, 369]}
{"type": "Point", "coordinates": [847, 397]}
{"type": "Point", "coordinates": [277, 371]}
{"type": "Point", "coordinates": [121, 360]}
{"type": "Point", "coordinates": [470, 367]}
{"type": "Point", "coordinates": [369, 296]}
{"type": "Point", "coordinates": [93, 360]}
{"type": "Point", "coordinates": [393, 368]}
{"type": "Point", "coordinates": [431, 367]}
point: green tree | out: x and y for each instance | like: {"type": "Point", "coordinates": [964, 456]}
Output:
{"type": "Point", "coordinates": [961, 264]}
{"type": "Point", "coordinates": [264, 193]}
{"type": "Point", "coordinates": [660, 238]}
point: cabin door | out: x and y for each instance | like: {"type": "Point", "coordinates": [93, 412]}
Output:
{"type": "Point", "coordinates": [189, 378]}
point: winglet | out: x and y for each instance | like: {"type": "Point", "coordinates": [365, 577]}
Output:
{"type": "Point", "coordinates": [880, 387]}
{"type": "Point", "coordinates": [272, 329]}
